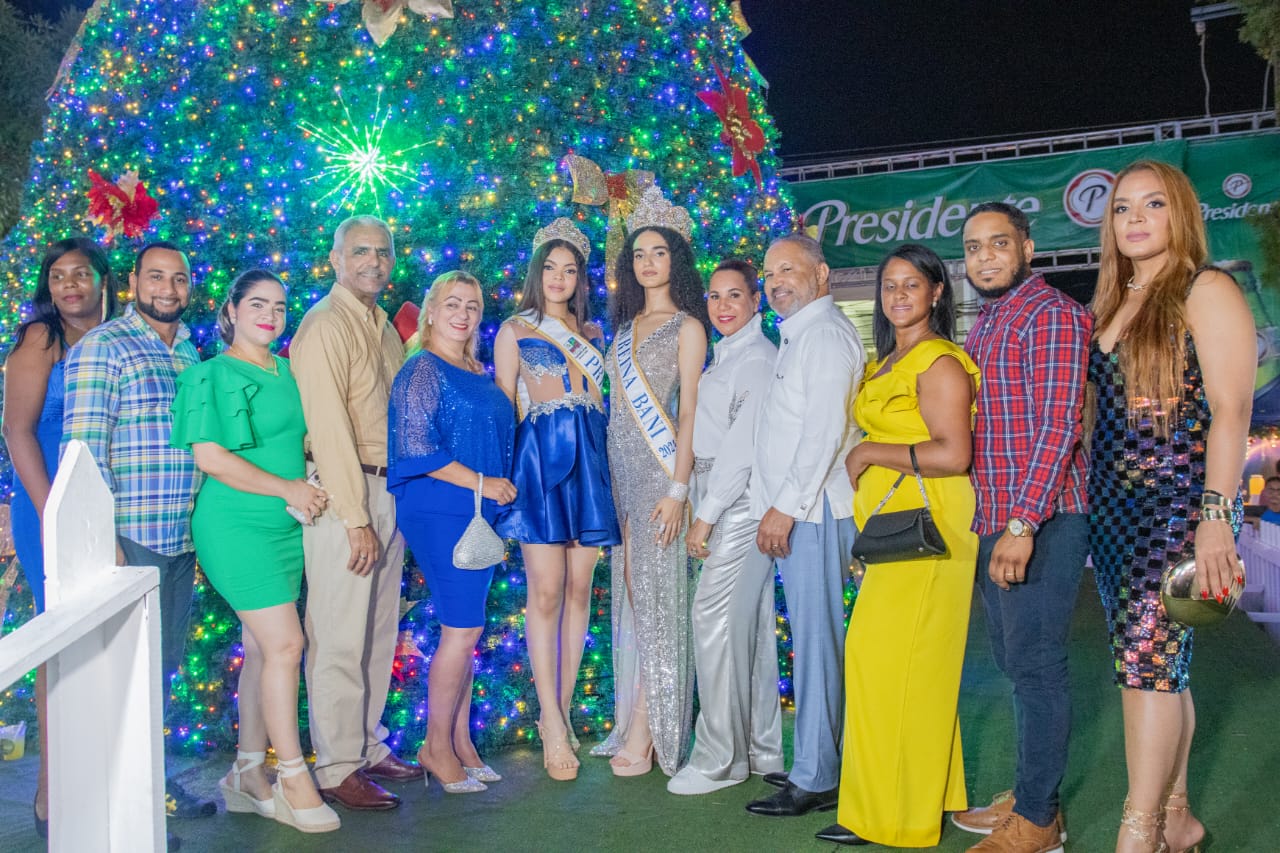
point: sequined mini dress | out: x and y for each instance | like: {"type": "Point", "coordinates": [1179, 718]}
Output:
{"type": "Point", "coordinates": [652, 632]}
{"type": "Point", "coordinates": [561, 472]}
{"type": "Point", "coordinates": [1144, 504]}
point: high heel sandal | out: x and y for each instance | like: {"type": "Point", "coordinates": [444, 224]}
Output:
{"type": "Point", "coordinates": [637, 765]}
{"type": "Point", "coordinates": [1184, 809]}
{"type": "Point", "coordinates": [468, 784]}
{"type": "Point", "coordinates": [557, 755]}
{"type": "Point", "coordinates": [238, 800]}
{"type": "Point", "coordinates": [319, 818]}
{"type": "Point", "coordinates": [1147, 827]}
{"type": "Point", "coordinates": [483, 773]}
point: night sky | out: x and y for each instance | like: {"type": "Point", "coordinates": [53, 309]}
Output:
{"type": "Point", "coordinates": [854, 75]}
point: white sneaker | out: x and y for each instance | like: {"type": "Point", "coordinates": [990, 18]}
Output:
{"type": "Point", "coordinates": [689, 782]}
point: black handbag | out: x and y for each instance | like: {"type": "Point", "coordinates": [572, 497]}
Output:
{"type": "Point", "coordinates": [908, 534]}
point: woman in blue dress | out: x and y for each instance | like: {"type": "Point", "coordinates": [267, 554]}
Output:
{"type": "Point", "coordinates": [448, 423]}
{"type": "Point", "coordinates": [75, 291]}
{"type": "Point", "coordinates": [564, 513]}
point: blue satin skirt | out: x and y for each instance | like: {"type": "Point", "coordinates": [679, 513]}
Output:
{"type": "Point", "coordinates": [561, 475]}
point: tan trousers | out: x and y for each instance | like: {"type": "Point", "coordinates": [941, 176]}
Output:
{"type": "Point", "coordinates": [352, 624]}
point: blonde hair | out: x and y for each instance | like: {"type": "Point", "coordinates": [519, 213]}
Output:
{"type": "Point", "coordinates": [1151, 359]}
{"type": "Point", "coordinates": [421, 339]}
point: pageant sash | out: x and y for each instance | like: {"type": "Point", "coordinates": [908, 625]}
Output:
{"type": "Point", "coordinates": [576, 348]}
{"type": "Point", "coordinates": [657, 430]}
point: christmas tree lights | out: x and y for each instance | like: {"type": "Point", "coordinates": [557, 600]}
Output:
{"type": "Point", "coordinates": [258, 126]}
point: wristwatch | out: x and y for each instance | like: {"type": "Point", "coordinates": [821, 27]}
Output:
{"type": "Point", "coordinates": [1019, 528]}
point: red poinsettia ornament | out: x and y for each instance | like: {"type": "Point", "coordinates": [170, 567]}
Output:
{"type": "Point", "coordinates": [123, 207]}
{"type": "Point", "coordinates": [741, 132]}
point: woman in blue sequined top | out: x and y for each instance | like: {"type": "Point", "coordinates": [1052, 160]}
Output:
{"type": "Point", "coordinates": [448, 423]}
{"type": "Point", "coordinates": [1172, 363]}
{"type": "Point", "coordinates": [545, 361]}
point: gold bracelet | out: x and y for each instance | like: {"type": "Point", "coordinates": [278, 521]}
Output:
{"type": "Point", "coordinates": [1214, 514]}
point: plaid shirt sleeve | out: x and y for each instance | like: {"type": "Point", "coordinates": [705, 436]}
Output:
{"type": "Point", "coordinates": [92, 401]}
{"type": "Point", "coordinates": [1057, 346]}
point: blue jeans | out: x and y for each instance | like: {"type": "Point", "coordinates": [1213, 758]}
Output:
{"type": "Point", "coordinates": [1028, 624]}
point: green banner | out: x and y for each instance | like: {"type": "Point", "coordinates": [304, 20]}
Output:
{"type": "Point", "coordinates": [860, 219]}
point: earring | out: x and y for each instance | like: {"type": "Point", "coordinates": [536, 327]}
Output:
{"type": "Point", "coordinates": [935, 304]}
{"type": "Point", "coordinates": [430, 322]}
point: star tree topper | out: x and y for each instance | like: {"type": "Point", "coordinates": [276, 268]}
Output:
{"type": "Point", "coordinates": [741, 132]}
{"type": "Point", "coordinates": [381, 17]}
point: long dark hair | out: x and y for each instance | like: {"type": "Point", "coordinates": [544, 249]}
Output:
{"type": "Point", "coordinates": [532, 298]}
{"type": "Point", "coordinates": [236, 293]}
{"type": "Point", "coordinates": [687, 291]}
{"type": "Point", "coordinates": [942, 318]}
{"type": "Point", "coordinates": [44, 311]}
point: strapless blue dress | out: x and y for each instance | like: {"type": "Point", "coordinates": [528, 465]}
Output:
{"type": "Point", "coordinates": [23, 518]}
{"type": "Point", "coordinates": [561, 471]}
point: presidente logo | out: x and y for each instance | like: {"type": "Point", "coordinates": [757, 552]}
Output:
{"type": "Point", "coordinates": [1085, 198]}
{"type": "Point", "coordinates": [930, 219]}
{"type": "Point", "coordinates": [1237, 185]}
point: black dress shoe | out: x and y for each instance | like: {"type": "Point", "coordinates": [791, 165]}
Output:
{"type": "Point", "coordinates": [777, 780]}
{"type": "Point", "coordinates": [837, 834]}
{"type": "Point", "coordinates": [791, 801]}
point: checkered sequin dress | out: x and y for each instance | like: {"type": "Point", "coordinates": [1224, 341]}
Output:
{"type": "Point", "coordinates": [1144, 504]}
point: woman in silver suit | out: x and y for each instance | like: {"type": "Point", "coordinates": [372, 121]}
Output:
{"type": "Point", "coordinates": [739, 729]}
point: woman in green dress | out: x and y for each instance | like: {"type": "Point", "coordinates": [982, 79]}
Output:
{"type": "Point", "coordinates": [241, 416]}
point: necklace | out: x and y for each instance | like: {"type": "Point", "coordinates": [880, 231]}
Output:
{"type": "Point", "coordinates": [1136, 288]}
{"type": "Point", "coordinates": [274, 369]}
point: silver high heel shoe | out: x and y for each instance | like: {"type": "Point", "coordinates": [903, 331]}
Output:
{"type": "Point", "coordinates": [320, 818]}
{"type": "Point", "coordinates": [483, 773]}
{"type": "Point", "coordinates": [238, 800]}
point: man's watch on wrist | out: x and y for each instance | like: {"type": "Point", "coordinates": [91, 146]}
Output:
{"type": "Point", "coordinates": [1019, 528]}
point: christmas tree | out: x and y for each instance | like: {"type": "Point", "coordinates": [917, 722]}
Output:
{"type": "Point", "coordinates": [256, 127]}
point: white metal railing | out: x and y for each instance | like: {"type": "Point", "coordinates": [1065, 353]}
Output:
{"type": "Point", "coordinates": [99, 638]}
{"type": "Point", "coordinates": [979, 152]}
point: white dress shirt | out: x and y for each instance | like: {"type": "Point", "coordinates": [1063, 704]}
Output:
{"type": "Point", "coordinates": [806, 428]}
{"type": "Point", "coordinates": [729, 396]}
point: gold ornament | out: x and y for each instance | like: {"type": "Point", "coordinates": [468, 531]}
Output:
{"type": "Point", "coordinates": [620, 191]}
{"type": "Point", "coordinates": [381, 17]}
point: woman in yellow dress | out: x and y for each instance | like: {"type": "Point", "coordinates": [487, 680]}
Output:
{"type": "Point", "coordinates": [902, 766]}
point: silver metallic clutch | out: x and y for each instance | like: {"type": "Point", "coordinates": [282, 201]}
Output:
{"type": "Point", "coordinates": [1180, 595]}
{"type": "Point", "coordinates": [479, 547]}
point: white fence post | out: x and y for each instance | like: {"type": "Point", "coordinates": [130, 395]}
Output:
{"type": "Point", "coordinates": [100, 635]}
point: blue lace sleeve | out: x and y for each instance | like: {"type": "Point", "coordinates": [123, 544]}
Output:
{"type": "Point", "coordinates": [415, 445]}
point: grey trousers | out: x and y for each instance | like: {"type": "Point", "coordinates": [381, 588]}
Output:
{"type": "Point", "coordinates": [813, 579]}
{"type": "Point", "coordinates": [735, 648]}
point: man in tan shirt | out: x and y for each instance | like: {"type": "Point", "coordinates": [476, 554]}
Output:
{"type": "Point", "coordinates": [344, 357]}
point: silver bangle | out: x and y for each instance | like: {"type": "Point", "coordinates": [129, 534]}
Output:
{"type": "Point", "coordinates": [678, 491]}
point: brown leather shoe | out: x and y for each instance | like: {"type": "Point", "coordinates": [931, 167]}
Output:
{"type": "Point", "coordinates": [984, 819]}
{"type": "Point", "coordinates": [392, 769]}
{"type": "Point", "coordinates": [361, 793]}
{"type": "Point", "coordinates": [1016, 834]}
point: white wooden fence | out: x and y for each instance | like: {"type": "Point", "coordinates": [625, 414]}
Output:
{"type": "Point", "coordinates": [100, 639]}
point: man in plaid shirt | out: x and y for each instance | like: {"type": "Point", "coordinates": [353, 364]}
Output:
{"type": "Point", "coordinates": [1032, 345]}
{"type": "Point", "coordinates": [120, 384]}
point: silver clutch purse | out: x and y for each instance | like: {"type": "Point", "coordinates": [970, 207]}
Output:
{"type": "Point", "coordinates": [479, 547]}
{"type": "Point", "coordinates": [1180, 595]}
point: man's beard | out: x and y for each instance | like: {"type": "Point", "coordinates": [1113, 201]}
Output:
{"type": "Point", "coordinates": [1022, 274]}
{"type": "Point", "coordinates": [149, 308]}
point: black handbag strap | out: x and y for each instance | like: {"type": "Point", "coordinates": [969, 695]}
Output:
{"type": "Point", "coordinates": [915, 466]}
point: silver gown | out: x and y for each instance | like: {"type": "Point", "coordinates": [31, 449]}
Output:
{"type": "Point", "coordinates": [739, 728]}
{"type": "Point", "coordinates": [652, 642]}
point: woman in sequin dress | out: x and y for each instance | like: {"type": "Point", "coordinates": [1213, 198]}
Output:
{"type": "Point", "coordinates": [563, 514]}
{"type": "Point", "coordinates": [75, 291]}
{"type": "Point", "coordinates": [659, 312]}
{"type": "Point", "coordinates": [447, 424]}
{"type": "Point", "coordinates": [1164, 477]}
